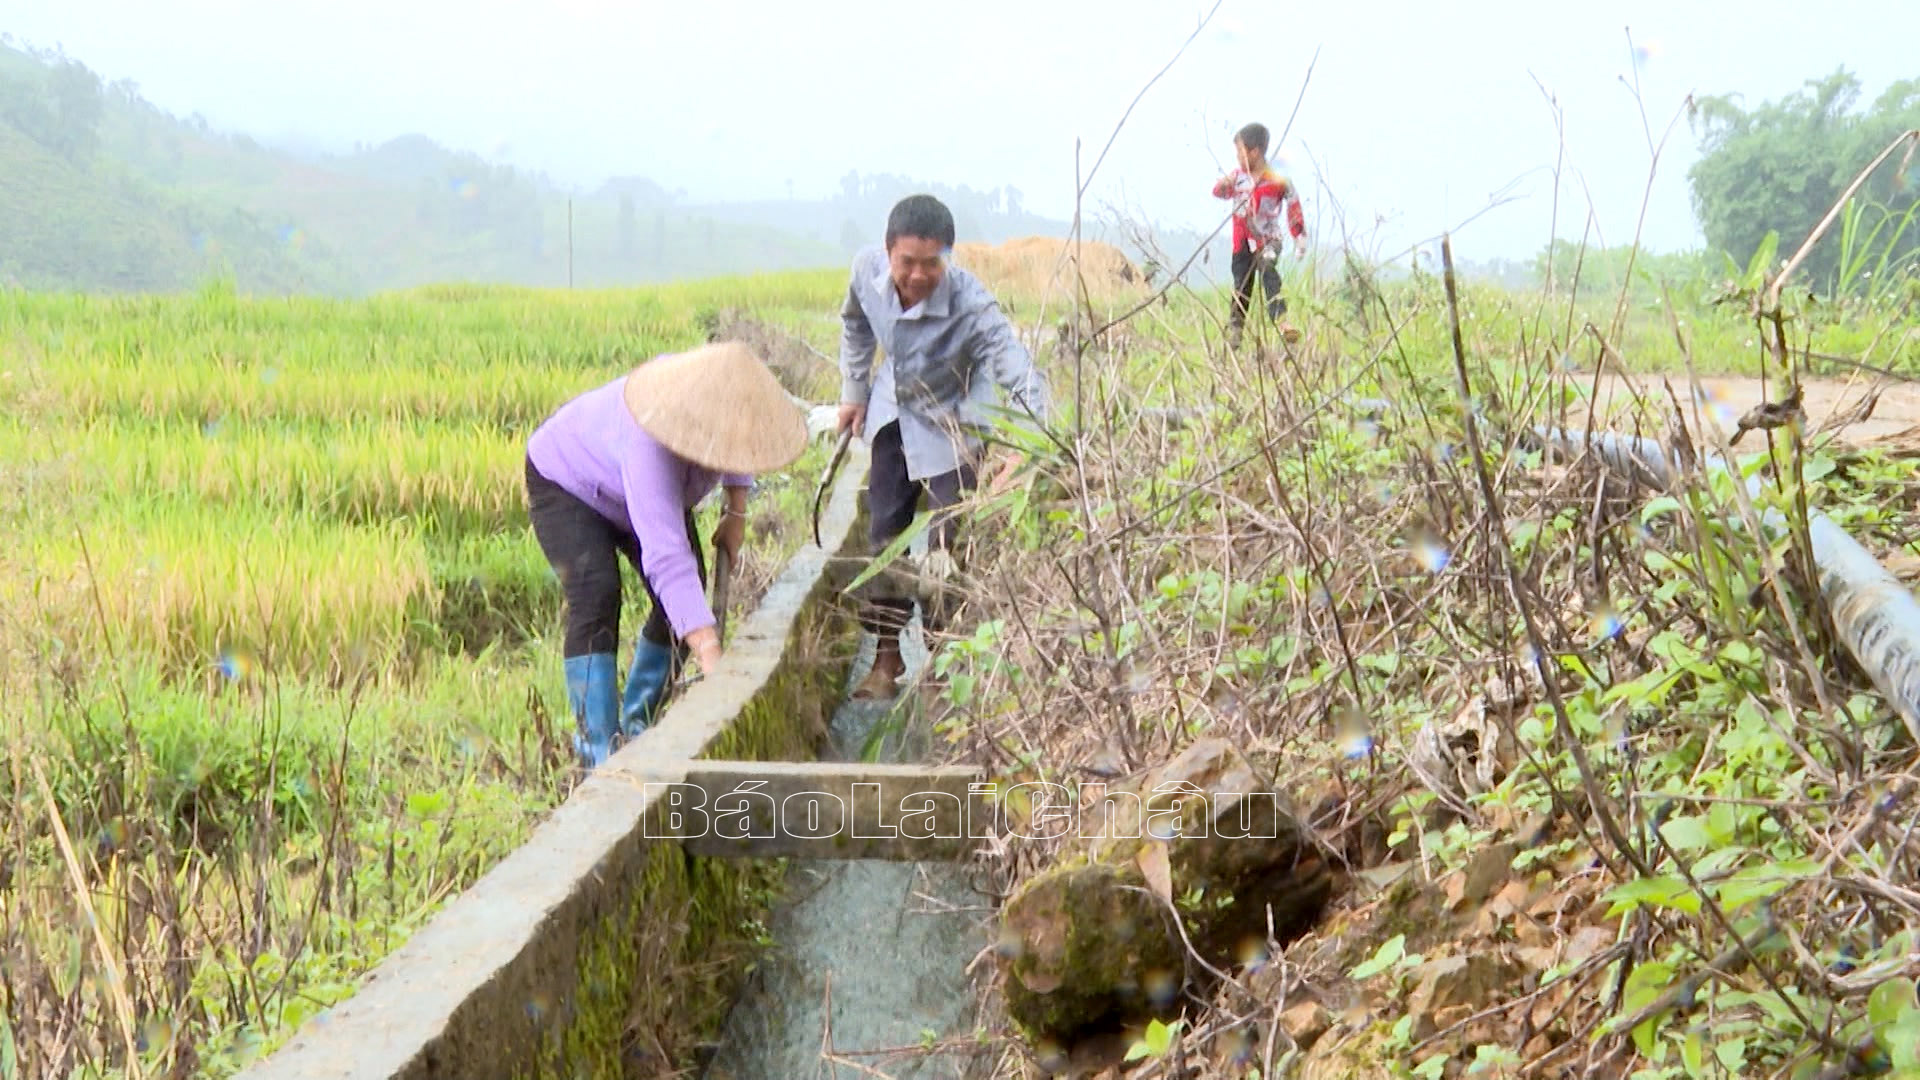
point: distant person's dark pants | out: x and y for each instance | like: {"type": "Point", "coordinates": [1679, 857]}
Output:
{"type": "Point", "coordinates": [1246, 265]}
{"type": "Point", "coordinates": [585, 551]}
{"type": "Point", "coordinates": [892, 502]}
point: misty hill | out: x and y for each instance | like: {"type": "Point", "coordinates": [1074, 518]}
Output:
{"type": "Point", "coordinates": [106, 192]}
{"type": "Point", "coordinates": [73, 216]}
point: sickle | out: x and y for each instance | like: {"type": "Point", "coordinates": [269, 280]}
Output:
{"type": "Point", "coordinates": [826, 481]}
{"type": "Point", "coordinates": [722, 571]}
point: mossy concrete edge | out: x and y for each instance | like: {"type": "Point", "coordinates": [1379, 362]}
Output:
{"type": "Point", "coordinates": [544, 966]}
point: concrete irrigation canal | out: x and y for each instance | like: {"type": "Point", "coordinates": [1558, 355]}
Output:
{"type": "Point", "coordinates": [872, 959]}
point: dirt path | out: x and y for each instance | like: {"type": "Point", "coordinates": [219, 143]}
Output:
{"type": "Point", "coordinates": [1831, 405]}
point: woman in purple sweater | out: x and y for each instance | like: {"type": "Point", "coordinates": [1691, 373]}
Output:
{"type": "Point", "coordinates": [618, 471]}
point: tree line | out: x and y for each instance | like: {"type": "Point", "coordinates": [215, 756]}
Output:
{"type": "Point", "coordinates": [1780, 166]}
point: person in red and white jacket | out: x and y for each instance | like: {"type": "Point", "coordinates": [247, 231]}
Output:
{"type": "Point", "coordinates": [1260, 194]}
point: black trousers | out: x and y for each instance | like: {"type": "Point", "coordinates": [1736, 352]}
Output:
{"type": "Point", "coordinates": [585, 551]}
{"type": "Point", "coordinates": [892, 502]}
{"type": "Point", "coordinates": [1246, 266]}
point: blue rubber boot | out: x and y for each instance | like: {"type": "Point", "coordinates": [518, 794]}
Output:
{"type": "Point", "coordinates": [646, 686]}
{"type": "Point", "coordinates": [593, 693]}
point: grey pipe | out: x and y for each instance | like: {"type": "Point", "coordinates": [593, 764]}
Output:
{"type": "Point", "coordinates": [1876, 616]}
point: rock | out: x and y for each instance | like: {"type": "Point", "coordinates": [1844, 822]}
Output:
{"type": "Point", "coordinates": [1443, 985]}
{"type": "Point", "coordinates": [1092, 945]}
{"type": "Point", "coordinates": [1489, 869]}
{"type": "Point", "coordinates": [1084, 946]}
{"type": "Point", "coordinates": [1305, 1023]}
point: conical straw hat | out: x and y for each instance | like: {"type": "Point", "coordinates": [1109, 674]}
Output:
{"type": "Point", "coordinates": [718, 406]}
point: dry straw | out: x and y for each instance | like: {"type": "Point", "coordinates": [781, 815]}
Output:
{"type": "Point", "coordinates": [1041, 265]}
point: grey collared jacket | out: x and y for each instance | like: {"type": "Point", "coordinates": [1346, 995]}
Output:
{"type": "Point", "coordinates": [946, 357]}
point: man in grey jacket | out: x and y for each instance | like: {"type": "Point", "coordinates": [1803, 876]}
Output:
{"type": "Point", "coordinates": [948, 346]}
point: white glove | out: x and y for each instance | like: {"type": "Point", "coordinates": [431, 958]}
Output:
{"type": "Point", "coordinates": [822, 420]}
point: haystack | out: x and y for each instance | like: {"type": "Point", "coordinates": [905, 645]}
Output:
{"type": "Point", "coordinates": [1043, 266]}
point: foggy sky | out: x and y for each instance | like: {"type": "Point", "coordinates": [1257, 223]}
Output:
{"type": "Point", "coordinates": [1415, 117]}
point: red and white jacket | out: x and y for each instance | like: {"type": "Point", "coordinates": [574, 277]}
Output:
{"type": "Point", "coordinates": [1259, 198]}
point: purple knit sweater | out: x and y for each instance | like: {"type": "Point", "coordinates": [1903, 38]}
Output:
{"type": "Point", "coordinates": [593, 449]}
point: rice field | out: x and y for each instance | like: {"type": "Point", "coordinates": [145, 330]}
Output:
{"type": "Point", "coordinates": [279, 649]}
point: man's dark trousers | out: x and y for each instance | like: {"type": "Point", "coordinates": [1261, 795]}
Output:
{"type": "Point", "coordinates": [892, 501]}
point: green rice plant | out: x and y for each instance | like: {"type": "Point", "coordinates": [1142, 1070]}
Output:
{"type": "Point", "coordinates": [493, 588]}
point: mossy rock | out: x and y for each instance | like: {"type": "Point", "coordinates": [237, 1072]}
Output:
{"type": "Point", "coordinates": [1092, 943]}
{"type": "Point", "coordinates": [1088, 949]}
{"type": "Point", "coordinates": [1371, 1053]}
{"type": "Point", "coordinates": [1241, 849]}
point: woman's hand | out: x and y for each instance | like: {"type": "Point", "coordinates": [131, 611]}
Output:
{"type": "Point", "coordinates": [731, 533]}
{"type": "Point", "coordinates": [705, 644]}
